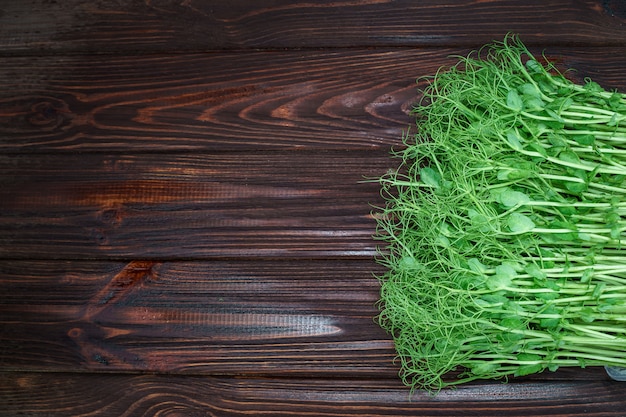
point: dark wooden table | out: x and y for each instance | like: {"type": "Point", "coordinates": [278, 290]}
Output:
{"type": "Point", "coordinates": [183, 226]}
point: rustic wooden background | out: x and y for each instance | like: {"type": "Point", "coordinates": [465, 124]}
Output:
{"type": "Point", "coordinates": [183, 226]}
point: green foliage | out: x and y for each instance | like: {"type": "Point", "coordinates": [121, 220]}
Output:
{"type": "Point", "coordinates": [504, 224]}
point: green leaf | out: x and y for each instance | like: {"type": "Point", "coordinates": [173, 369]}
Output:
{"type": "Point", "coordinates": [556, 125]}
{"type": "Point", "coordinates": [484, 368]}
{"type": "Point", "coordinates": [614, 179]}
{"type": "Point", "coordinates": [528, 369]}
{"type": "Point", "coordinates": [593, 87]}
{"type": "Point", "coordinates": [615, 102]}
{"type": "Point", "coordinates": [576, 187]}
{"type": "Point", "coordinates": [560, 103]}
{"type": "Point", "coordinates": [616, 232]}
{"type": "Point", "coordinates": [446, 229]}
{"type": "Point", "coordinates": [533, 367]}
{"type": "Point", "coordinates": [568, 210]}
{"type": "Point", "coordinates": [430, 177]}
{"type": "Point", "coordinates": [566, 103]}
{"type": "Point", "coordinates": [479, 221]}
{"type": "Point", "coordinates": [550, 323]}
{"type": "Point", "coordinates": [512, 174]}
{"type": "Point", "coordinates": [529, 90]}
{"type": "Point", "coordinates": [497, 282]}
{"type": "Point", "coordinates": [534, 146]}
{"type": "Point", "coordinates": [555, 116]}
{"type": "Point", "coordinates": [569, 157]}
{"type": "Point", "coordinates": [534, 271]}
{"type": "Point", "coordinates": [409, 263]}
{"type": "Point", "coordinates": [587, 314]}
{"type": "Point", "coordinates": [514, 101]}
{"type": "Point", "coordinates": [534, 104]}
{"type": "Point", "coordinates": [442, 241]}
{"type": "Point", "coordinates": [476, 266]}
{"type": "Point", "coordinates": [547, 296]}
{"type": "Point", "coordinates": [515, 307]}
{"type": "Point", "coordinates": [534, 66]}
{"type": "Point", "coordinates": [551, 284]}
{"type": "Point", "coordinates": [609, 305]}
{"type": "Point", "coordinates": [511, 198]}
{"type": "Point", "coordinates": [512, 323]}
{"type": "Point", "coordinates": [502, 278]}
{"type": "Point", "coordinates": [510, 340]}
{"type": "Point", "coordinates": [587, 275]}
{"type": "Point", "coordinates": [557, 140]}
{"type": "Point", "coordinates": [514, 140]}
{"type": "Point", "coordinates": [519, 223]}
{"type": "Point", "coordinates": [468, 282]}
{"type": "Point", "coordinates": [598, 290]}
{"type": "Point", "coordinates": [612, 217]}
{"type": "Point", "coordinates": [585, 140]}
{"type": "Point", "coordinates": [490, 299]}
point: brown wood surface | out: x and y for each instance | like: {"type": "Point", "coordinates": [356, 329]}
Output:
{"type": "Point", "coordinates": [276, 317]}
{"type": "Point", "coordinates": [154, 395]}
{"type": "Point", "coordinates": [189, 206]}
{"type": "Point", "coordinates": [331, 99]}
{"type": "Point", "coordinates": [185, 229]}
{"type": "Point", "coordinates": [101, 26]}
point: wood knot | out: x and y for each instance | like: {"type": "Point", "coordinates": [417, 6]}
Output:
{"type": "Point", "coordinates": [49, 114]}
{"type": "Point", "coordinates": [112, 216]}
{"type": "Point", "coordinates": [100, 237]}
{"type": "Point", "coordinates": [76, 333]}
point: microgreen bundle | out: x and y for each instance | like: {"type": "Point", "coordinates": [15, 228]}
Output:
{"type": "Point", "coordinates": [504, 224]}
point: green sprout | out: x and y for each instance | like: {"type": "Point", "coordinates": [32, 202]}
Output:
{"type": "Point", "coordinates": [504, 225]}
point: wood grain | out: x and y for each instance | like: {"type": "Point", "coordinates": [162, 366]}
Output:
{"type": "Point", "coordinates": [217, 102]}
{"type": "Point", "coordinates": [289, 318]}
{"type": "Point", "coordinates": [132, 27]}
{"type": "Point", "coordinates": [233, 101]}
{"type": "Point", "coordinates": [184, 229]}
{"type": "Point", "coordinates": [35, 394]}
{"type": "Point", "coordinates": [158, 206]}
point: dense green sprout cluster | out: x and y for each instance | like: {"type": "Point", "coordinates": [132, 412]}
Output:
{"type": "Point", "coordinates": [505, 224]}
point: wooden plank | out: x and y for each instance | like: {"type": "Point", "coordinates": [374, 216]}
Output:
{"type": "Point", "coordinates": [277, 317]}
{"type": "Point", "coordinates": [357, 98]}
{"type": "Point", "coordinates": [35, 394]}
{"type": "Point", "coordinates": [43, 27]}
{"type": "Point", "coordinates": [189, 206]}
{"type": "Point", "coordinates": [274, 318]}
{"type": "Point", "coordinates": [217, 102]}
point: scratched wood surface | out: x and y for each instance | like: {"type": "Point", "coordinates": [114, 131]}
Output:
{"type": "Point", "coordinates": [185, 229]}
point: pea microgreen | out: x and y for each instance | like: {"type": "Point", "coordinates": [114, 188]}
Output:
{"type": "Point", "coordinates": [504, 224]}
